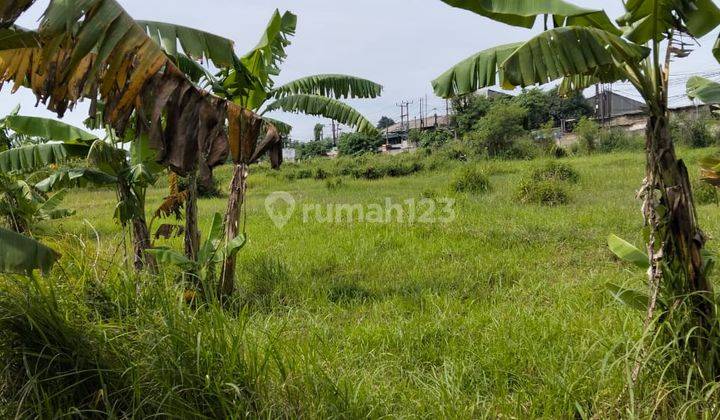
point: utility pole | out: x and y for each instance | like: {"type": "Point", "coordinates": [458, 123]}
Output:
{"type": "Point", "coordinates": [603, 102]}
{"type": "Point", "coordinates": [426, 107]}
{"type": "Point", "coordinates": [422, 120]}
{"type": "Point", "coordinates": [334, 134]}
{"type": "Point", "coordinates": [405, 114]}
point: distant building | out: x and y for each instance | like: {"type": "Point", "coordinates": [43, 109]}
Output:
{"type": "Point", "coordinates": [609, 104]}
{"type": "Point", "coordinates": [396, 136]}
{"type": "Point", "coordinates": [492, 94]}
{"type": "Point", "coordinates": [429, 123]}
{"type": "Point", "coordinates": [288, 155]}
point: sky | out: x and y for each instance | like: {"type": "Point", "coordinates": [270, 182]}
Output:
{"type": "Point", "coordinates": [401, 44]}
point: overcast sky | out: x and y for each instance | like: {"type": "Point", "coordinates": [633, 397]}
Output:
{"type": "Point", "coordinates": [401, 44]}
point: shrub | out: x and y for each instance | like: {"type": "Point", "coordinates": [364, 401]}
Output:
{"type": "Point", "coordinates": [400, 165]}
{"type": "Point", "coordinates": [356, 144]}
{"type": "Point", "coordinates": [692, 131]}
{"type": "Point", "coordinates": [470, 180]}
{"type": "Point", "coordinates": [587, 131]}
{"type": "Point", "coordinates": [522, 149]}
{"type": "Point", "coordinates": [334, 184]}
{"type": "Point", "coordinates": [549, 192]}
{"type": "Point", "coordinates": [313, 149]}
{"type": "Point", "coordinates": [447, 155]}
{"type": "Point", "coordinates": [498, 131]}
{"type": "Point", "coordinates": [369, 171]}
{"type": "Point", "coordinates": [558, 151]}
{"type": "Point", "coordinates": [704, 193]}
{"type": "Point", "coordinates": [616, 139]}
{"type": "Point", "coordinates": [320, 174]}
{"type": "Point", "coordinates": [454, 150]}
{"type": "Point", "coordinates": [555, 171]}
{"type": "Point", "coordinates": [298, 173]}
{"type": "Point", "coordinates": [432, 139]}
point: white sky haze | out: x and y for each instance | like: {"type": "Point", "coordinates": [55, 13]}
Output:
{"type": "Point", "coordinates": [401, 44]}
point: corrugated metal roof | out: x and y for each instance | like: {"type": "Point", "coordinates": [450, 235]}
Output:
{"type": "Point", "coordinates": [417, 123]}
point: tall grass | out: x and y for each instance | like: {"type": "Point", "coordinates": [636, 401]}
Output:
{"type": "Point", "coordinates": [502, 312]}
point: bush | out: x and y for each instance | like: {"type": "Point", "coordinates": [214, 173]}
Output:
{"type": "Point", "coordinates": [333, 184]}
{"type": "Point", "coordinates": [400, 165]}
{"type": "Point", "coordinates": [298, 173]}
{"type": "Point", "coordinates": [616, 139]}
{"type": "Point", "coordinates": [368, 172]}
{"type": "Point", "coordinates": [522, 149]}
{"type": "Point", "coordinates": [470, 180]}
{"type": "Point", "coordinates": [431, 139]}
{"type": "Point", "coordinates": [555, 171]}
{"type": "Point", "coordinates": [313, 149]}
{"type": "Point", "coordinates": [692, 131]}
{"type": "Point", "coordinates": [320, 174]}
{"type": "Point", "coordinates": [498, 131]}
{"type": "Point", "coordinates": [356, 144]}
{"type": "Point", "coordinates": [588, 132]}
{"type": "Point", "coordinates": [704, 193]}
{"type": "Point", "coordinates": [549, 192]}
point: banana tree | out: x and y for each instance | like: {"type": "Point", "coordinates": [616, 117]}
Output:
{"type": "Point", "coordinates": [252, 87]}
{"type": "Point", "coordinates": [94, 50]}
{"type": "Point", "coordinates": [22, 204]}
{"type": "Point", "coordinates": [23, 255]}
{"type": "Point", "coordinates": [249, 83]}
{"type": "Point", "coordinates": [583, 47]}
{"type": "Point", "coordinates": [106, 163]}
{"type": "Point", "coordinates": [707, 91]}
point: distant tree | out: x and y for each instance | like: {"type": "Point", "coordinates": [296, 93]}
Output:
{"type": "Point", "coordinates": [537, 104]}
{"type": "Point", "coordinates": [318, 131]}
{"type": "Point", "coordinates": [313, 149]}
{"type": "Point", "coordinates": [573, 106]}
{"type": "Point", "coordinates": [430, 139]}
{"type": "Point", "coordinates": [543, 106]}
{"type": "Point", "coordinates": [355, 144]}
{"type": "Point", "coordinates": [385, 122]}
{"type": "Point", "coordinates": [500, 127]}
{"type": "Point", "coordinates": [469, 109]}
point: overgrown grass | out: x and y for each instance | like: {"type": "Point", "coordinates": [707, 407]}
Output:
{"type": "Point", "coordinates": [501, 312]}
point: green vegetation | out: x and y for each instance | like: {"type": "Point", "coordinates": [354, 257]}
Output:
{"type": "Point", "coordinates": [335, 324]}
{"type": "Point", "coordinates": [312, 149]}
{"type": "Point", "coordinates": [430, 139]}
{"type": "Point", "coordinates": [470, 180]}
{"type": "Point", "coordinates": [681, 304]}
{"type": "Point", "coordinates": [547, 192]}
{"type": "Point", "coordinates": [555, 171]}
{"type": "Point", "coordinates": [694, 130]}
{"type": "Point", "coordinates": [356, 144]}
{"type": "Point", "coordinates": [498, 299]}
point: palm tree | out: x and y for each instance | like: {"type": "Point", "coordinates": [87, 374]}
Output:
{"type": "Point", "coordinates": [583, 47]}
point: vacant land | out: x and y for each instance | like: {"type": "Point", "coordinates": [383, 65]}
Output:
{"type": "Point", "coordinates": [502, 311]}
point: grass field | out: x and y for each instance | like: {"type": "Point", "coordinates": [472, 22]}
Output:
{"type": "Point", "coordinates": [502, 312]}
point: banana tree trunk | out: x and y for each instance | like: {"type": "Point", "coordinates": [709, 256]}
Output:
{"type": "Point", "coordinates": [676, 244]}
{"type": "Point", "coordinates": [192, 232]}
{"type": "Point", "coordinates": [140, 233]}
{"type": "Point", "coordinates": [226, 287]}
